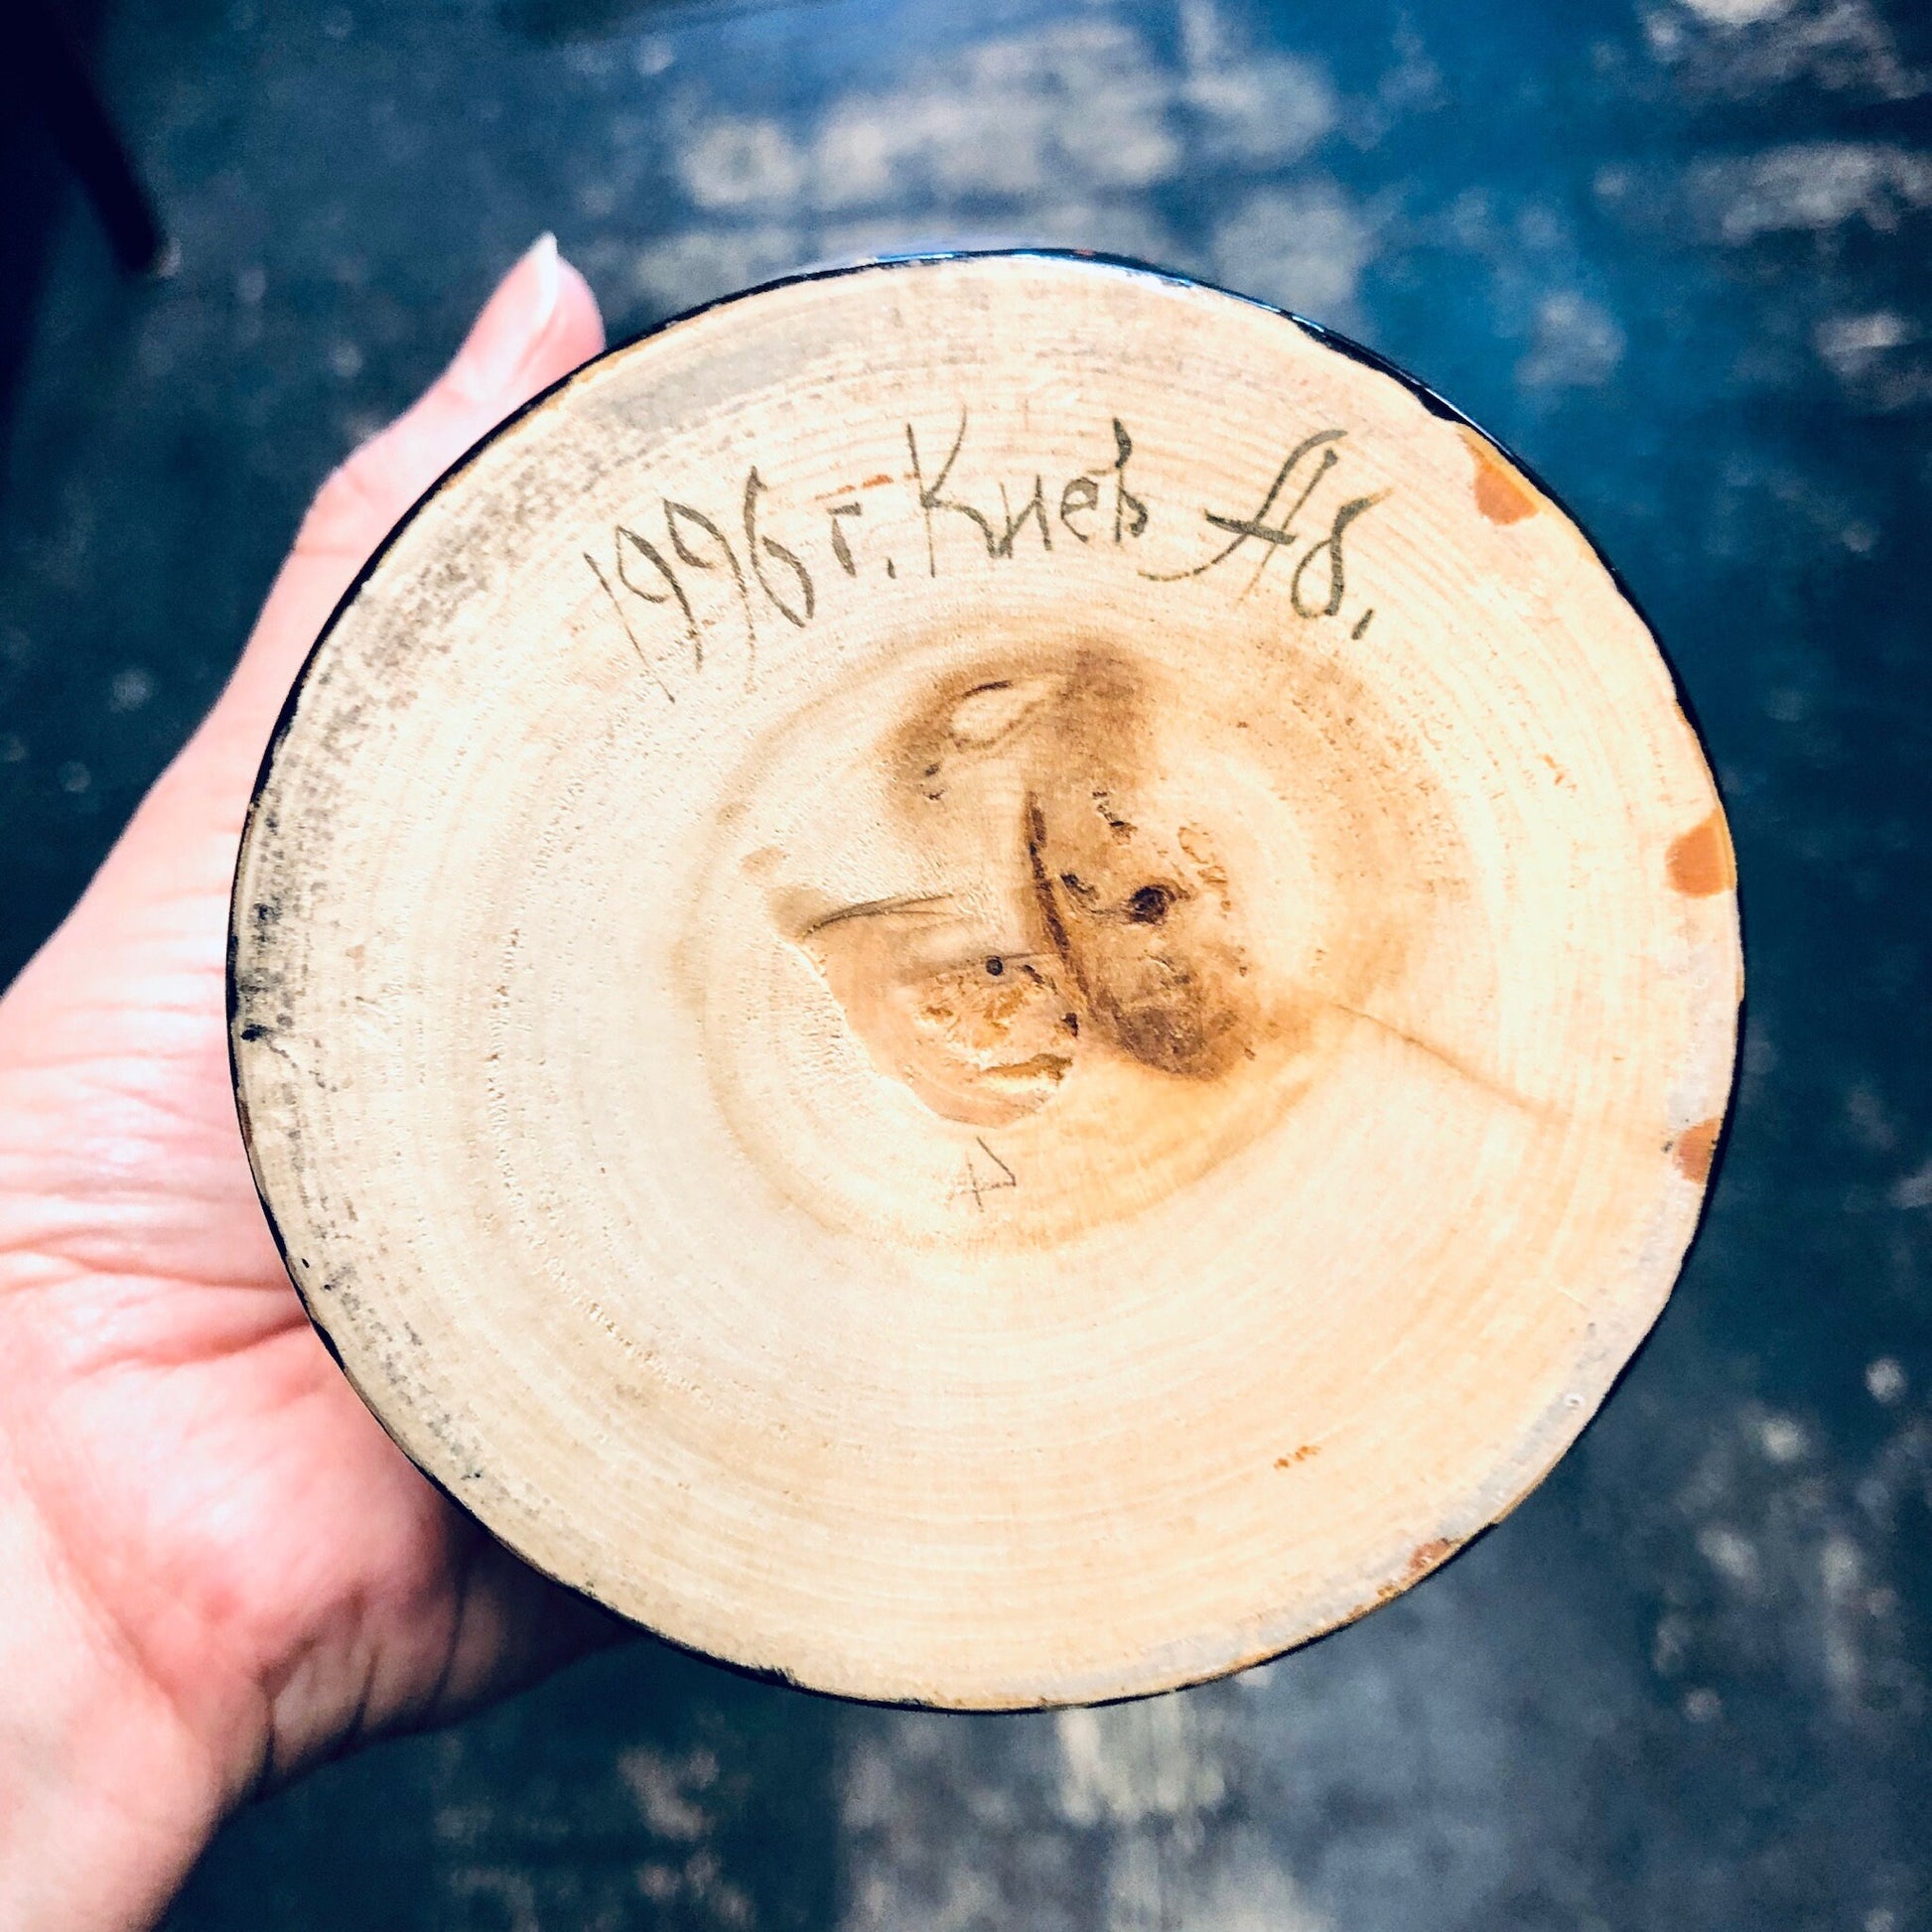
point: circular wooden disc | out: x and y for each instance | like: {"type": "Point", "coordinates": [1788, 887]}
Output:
{"type": "Point", "coordinates": [990, 980]}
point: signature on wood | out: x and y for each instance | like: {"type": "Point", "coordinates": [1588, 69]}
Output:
{"type": "Point", "coordinates": [675, 577]}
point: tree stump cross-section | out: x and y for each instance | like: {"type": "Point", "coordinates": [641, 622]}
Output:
{"type": "Point", "coordinates": [989, 980]}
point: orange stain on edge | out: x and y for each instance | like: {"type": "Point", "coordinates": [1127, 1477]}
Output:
{"type": "Point", "coordinates": [1501, 496]}
{"type": "Point", "coordinates": [1695, 1147]}
{"type": "Point", "coordinates": [1701, 861]}
{"type": "Point", "coordinates": [1428, 1555]}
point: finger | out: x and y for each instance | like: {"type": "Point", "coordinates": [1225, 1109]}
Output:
{"type": "Point", "coordinates": [541, 322]}
{"type": "Point", "coordinates": [178, 850]}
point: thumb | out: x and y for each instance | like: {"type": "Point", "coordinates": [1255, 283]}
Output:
{"type": "Point", "coordinates": [174, 862]}
{"type": "Point", "coordinates": [541, 322]}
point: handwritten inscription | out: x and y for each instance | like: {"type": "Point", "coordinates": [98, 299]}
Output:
{"type": "Point", "coordinates": [675, 577]}
{"type": "Point", "coordinates": [1284, 536]}
{"type": "Point", "coordinates": [978, 1182]}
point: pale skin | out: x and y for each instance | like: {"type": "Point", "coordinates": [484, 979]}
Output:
{"type": "Point", "coordinates": [217, 1569]}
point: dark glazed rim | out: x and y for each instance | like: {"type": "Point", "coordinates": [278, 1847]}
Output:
{"type": "Point", "coordinates": [1437, 406]}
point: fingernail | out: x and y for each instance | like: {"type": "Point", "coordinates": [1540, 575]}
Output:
{"type": "Point", "coordinates": [514, 316]}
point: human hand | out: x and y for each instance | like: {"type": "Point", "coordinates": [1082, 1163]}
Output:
{"type": "Point", "coordinates": [217, 1568]}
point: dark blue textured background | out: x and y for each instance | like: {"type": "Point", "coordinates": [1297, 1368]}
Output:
{"type": "Point", "coordinates": [1674, 251]}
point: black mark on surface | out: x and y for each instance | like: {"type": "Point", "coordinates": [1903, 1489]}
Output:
{"type": "Point", "coordinates": [1256, 527]}
{"type": "Point", "coordinates": [676, 516]}
{"type": "Point", "coordinates": [1036, 507]}
{"type": "Point", "coordinates": [840, 548]}
{"type": "Point", "coordinates": [980, 1187]}
{"type": "Point", "coordinates": [1130, 514]}
{"type": "Point", "coordinates": [1275, 530]}
{"type": "Point", "coordinates": [761, 547]}
{"type": "Point", "coordinates": [1332, 543]}
{"type": "Point", "coordinates": [924, 905]}
{"type": "Point", "coordinates": [1044, 896]}
{"type": "Point", "coordinates": [1081, 494]}
{"type": "Point", "coordinates": [932, 497]}
{"type": "Point", "coordinates": [603, 584]}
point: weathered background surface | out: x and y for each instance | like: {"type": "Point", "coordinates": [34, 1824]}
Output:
{"type": "Point", "coordinates": [1676, 251]}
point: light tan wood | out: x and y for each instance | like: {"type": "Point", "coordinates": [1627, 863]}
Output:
{"type": "Point", "coordinates": [987, 981]}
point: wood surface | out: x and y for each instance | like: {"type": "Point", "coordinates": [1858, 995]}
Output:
{"type": "Point", "coordinates": [989, 982]}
